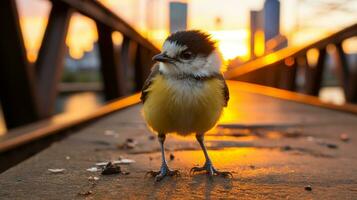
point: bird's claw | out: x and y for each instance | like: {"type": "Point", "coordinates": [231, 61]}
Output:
{"type": "Point", "coordinates": [159, 175]}
{"type": "Point", "coordinates": [211, 171]}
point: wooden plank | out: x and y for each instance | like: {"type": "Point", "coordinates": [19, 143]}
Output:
{"type": "Point", "coordinates": [274, 148]}
{"type": "Point", "coordinates": [112, 71]}
{"type": "Point", "coordinates": [50, 60]}
{"type": "Point", "coordinates": [17, 83]}
{"type": "Point", "coordinates": [23, 142]}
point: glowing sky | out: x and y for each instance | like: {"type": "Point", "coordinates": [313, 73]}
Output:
{"type": "Point", "coordinates": [301, 21]}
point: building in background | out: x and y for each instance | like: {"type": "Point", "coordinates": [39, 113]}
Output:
{"type": "Point", "coordinates": [178, 16]}
{"type": "Point", "coordinates": [265, 30]}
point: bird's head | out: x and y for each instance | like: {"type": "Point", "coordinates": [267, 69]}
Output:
{"type": "Point", "coordinates": [189, 52]}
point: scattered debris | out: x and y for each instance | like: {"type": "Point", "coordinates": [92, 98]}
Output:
{"type": "Point", "coordinates": [68, 158]}
{"type": "Point", "coordinates": [332, 146]}
{"type": "Point", "coordinates": [128, 144]}
{"type": "Point", "coordinates": [104, 143]}
{"type": "Point", "coordinates": [310, 138]}
{"type": "Point", "coordinates": [152, 137]}
{"type": "Point", "coordinates": [101, 164]}
{"type": "Point", "coordinates": [344, 137]}
{"type": "Point", "coordinates": [293, 133]}
{"type": "Point", "coordinates": [89, 192]}
{"type": "Point", "coordinates": [328, 145]}
{"type": "Point", "coordinates": [125, 173]}
{"type": "Point", "coordinates": [172, 157]}
{"type": "Point", "coordinates": [286, 148]}
{"type": "Point", "coordinates": [111, 168]}
{"type": "Point", "coordinates": [56, 171]}
{"type": "Point", "coordinates": [251, 166]}
{"type": "Point", "coordinates": [92, 169]}
{"type": "Point", "coordinates": [93, 178]}
{"type": "Point", "coordinates": [308, 188]}
{"type": "Point", "coordinates": [111, 133]}
{"type": "Point", "coordinates": [123, 161]}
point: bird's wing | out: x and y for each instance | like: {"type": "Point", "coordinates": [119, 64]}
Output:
{"type": "Point", "coordinates": [154, 71]}
{"type": "Point", "coordinates": [225, 89]}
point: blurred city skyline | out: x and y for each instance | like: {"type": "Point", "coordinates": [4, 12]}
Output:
{"type": "Point", "coordinates": [228, 21]}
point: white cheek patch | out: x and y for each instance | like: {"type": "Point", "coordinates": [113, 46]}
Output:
{"type": "Point", "coordinates": [172, 49]}
{"type": "Point", "coordinates": [210, 65]}
{"type": "Point", "coordinates": [214, 61]}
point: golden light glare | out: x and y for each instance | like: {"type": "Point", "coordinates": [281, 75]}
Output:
{"type": "Point", "coordinates": [312, 57]}
{"type": "Point", "coordinates": [117, 38]}
{"type": "Point", "coordinates": [349, 46]}
{"type": "Point", "coordinates": [82, 34]}
{"type": "Point", "coordinates": [33, 29]}
{"type": "Point", "coordinates": [232, 43]}
{"type": "Point", "coordinates": [259, 44]}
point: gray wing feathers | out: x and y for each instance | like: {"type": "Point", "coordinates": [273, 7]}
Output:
{"type": "Point", "coordinates": [154, 72]}
{"type": "Point", "coordinates": [225, 89]}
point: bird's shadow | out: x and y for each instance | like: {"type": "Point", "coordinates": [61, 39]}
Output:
{"type": "Point", "coordinates": [199, 185]}
{"type": "Point", "coordinates": [209, 185]}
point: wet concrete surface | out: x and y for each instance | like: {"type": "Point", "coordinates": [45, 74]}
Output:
{"type": "Point", "coordinates": [274, 148]}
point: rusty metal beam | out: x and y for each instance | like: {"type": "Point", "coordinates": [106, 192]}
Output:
{"type": "Point", "coordinates": [143, 65]}
{"type": "Point", "coordinates": [288, 76]}
{"type": "Point", "coordinates": [50, 61]}
{"type": "Point", "coordinates": [314, 74]}
{"type": "Point", "coordinates": [99, 13]}
{"type": "Point", "coordinates": [127, 54]}
{"type": "Point", "coordinates": [17, 88]}
{"type": "Point", "coordinates": [111, 68]}
{"type": "Point", "coordinates": [342, 69]}
{"type": "Point", "coordinates": [279, 56]}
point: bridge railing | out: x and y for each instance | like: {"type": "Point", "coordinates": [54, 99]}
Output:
{"type": "Point", "coordinates": [281, 69]}
{"type": "Point", "coordinates": [28, 93]}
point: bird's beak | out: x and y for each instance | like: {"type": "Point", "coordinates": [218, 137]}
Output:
{"type": "Point", "coordinates": [162, 58]}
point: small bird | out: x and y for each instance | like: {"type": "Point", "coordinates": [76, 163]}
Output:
{"type": "Point", "coordinates": [185, 93]}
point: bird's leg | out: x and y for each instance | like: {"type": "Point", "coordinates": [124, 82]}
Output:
{"type": "Point", "coordinates": [164, 170]}
{"type": "Point", "coordinates": [208, 167]}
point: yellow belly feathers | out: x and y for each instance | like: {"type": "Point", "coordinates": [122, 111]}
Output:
{"type": "Point", "coordinates": [183, 106]}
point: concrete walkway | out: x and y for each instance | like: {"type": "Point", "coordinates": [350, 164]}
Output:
{"type": "Point", "coordinates": [275, 149]}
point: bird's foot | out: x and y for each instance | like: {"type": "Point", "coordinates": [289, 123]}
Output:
{"type": "Point", "coordinates": [164, 171]}
{"type": "Point", "coordinates": [210, 170]}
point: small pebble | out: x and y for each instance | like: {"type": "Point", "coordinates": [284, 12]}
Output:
{"type": "Point", "coordinates": [125, 173]}
{"type": "Point", "coordinates": [110, 168]}
{"type": "Point", "coordinates": [344, 137]}
{"type": "Point", "coordinates": [92, 169]}
{"type": "Point", "coordinates": [286, 148]}
{"type": "Point", "coordinates": [308, 188]}
{"type": "Point", "coordinates": [89, 192]}
{"type": "Point", "coordinates": [172, 157]}
{"type": "Point", "coordinates": [56, 171]}
{"type": "Point", "coordinates": [129, 140]}
{"type": "Point", "coordinates": [332, 146]}
{"type": "Point", "coordinates": [252, 166]}
{"type": "Point", "coordinates": [67, 157]}
{"type": "Point", "coordinates": [93, 178]}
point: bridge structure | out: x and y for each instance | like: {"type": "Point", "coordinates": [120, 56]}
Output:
{"type": "Point", "coordinates": [276, 136]}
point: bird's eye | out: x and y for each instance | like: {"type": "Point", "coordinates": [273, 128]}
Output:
{"type": "Point", "coordinates": [186, 55]}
